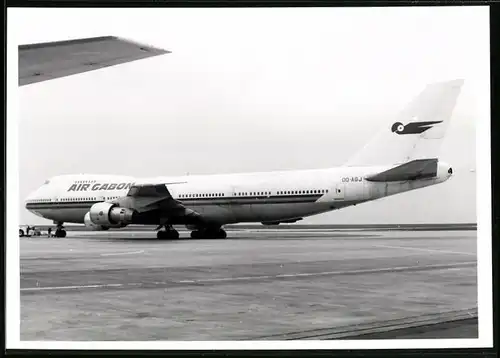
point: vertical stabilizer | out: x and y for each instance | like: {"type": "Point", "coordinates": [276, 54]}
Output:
{"type": "Point", "coordinates": [417, 131]}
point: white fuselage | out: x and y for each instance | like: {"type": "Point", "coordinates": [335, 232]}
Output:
{"type": "Point", "coordinates": [229, 198]}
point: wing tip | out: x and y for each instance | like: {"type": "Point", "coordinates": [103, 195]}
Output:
{"type": "Point", "coordinates": [144, 46]}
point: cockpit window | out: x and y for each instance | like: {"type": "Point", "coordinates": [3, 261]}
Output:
{"type": "Point", "coordinates": [46, 182]}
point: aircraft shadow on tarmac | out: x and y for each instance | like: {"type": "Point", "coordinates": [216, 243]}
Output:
{"type": "Point", "coordinates": [257, 237]}
{"type": "Point", "coordinates": [150, 237]}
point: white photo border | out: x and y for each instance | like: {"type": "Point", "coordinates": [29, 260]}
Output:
{"type": "Point", "coordinates": [484, 248]}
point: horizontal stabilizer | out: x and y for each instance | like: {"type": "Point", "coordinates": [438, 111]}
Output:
{"type": "Point", "coordinates": [416, 169]}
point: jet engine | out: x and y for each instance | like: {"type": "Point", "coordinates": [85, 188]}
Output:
{"type": "Point", "coordinates": [89, 224]}
{"type": "Point", "coordinates": [110, 215]}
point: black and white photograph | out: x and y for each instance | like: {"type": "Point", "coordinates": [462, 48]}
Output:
{"type": "Point", "coordinates": [245, 178]}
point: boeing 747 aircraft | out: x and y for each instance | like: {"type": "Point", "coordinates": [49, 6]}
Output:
{"type": "Point", "coordinates": [401, 157]}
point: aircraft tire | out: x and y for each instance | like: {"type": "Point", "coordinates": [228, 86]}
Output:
{"type": "Point", "coordinates": [60, 233]}
{"type": "Point", "coordinates": [21, 232]}
{"type": "Point", "coordinates": [222, 234]}
{"type": "Point", "coordinates": [201, 235]}
{"type": "Point", "coordinates": [208, 234]}
{"type": "Point", "coordinates": [167, 235]}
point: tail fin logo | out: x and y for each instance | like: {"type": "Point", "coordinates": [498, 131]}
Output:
{"type": "Point", "coordinates": [413, 127]}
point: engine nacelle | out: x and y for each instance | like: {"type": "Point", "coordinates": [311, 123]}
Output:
{"type": "Point", "coordinates": [110, 215]}
{"type": "Point", "coordinates": [90, 225]}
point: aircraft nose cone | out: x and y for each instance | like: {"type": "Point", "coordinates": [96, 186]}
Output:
{"type": "Point", "coordinates": [32, 196]}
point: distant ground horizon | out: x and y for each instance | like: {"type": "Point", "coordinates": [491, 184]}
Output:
{"type": "Point", "coordinates": [80, 227]}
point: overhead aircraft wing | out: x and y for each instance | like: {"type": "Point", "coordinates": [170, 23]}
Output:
{"type": "Point", "coordinates": [156, 197]}
{"type": "Point", "coordinates": [45, 61]}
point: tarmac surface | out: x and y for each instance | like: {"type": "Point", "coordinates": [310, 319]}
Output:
{"type": "Point", "coordinates": [257, 284]}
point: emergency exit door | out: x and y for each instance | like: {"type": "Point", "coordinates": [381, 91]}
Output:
{"type": "Point", "coordinates": [339, 192]}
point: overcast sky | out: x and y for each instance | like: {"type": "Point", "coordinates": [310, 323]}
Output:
{"type": "Point", "coordinates": [254, 90]}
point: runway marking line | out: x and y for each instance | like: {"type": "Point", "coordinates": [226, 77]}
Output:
{"type": "Point", "coordinates": [71, 287]}
{"type": "Point", "coordinates": [386, 269]}
{"type": "Point", "coordinates": [249, 278]}
{"type": "Point", "coordinates": [92, 253]}
{"type": "Point", "coordinates": [123, 253]}
{"type": "Point", "coordinates": [427, 250]}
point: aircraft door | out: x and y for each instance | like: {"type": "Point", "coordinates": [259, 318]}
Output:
{"type": "Point", "coordinates": [339, 191]}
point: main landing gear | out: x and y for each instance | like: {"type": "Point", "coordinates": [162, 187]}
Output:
{"type": "Point", "coordinates": [60, 232]}
{"type": "Point", "coordinates": [168, 234]}
{"type": "Point", "coordinates": [209, 234]}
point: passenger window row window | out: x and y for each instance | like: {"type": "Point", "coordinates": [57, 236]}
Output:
{"type": "Point", "coordinates": [208, 195]}
{"type": "Point", "coordinates": [253, 193]}
{"type": "Point", "coordinates": [84, 181]}
{"type": "Point", "coordinates": [83, 199]}
{"type": "Point", "coordinates": [291, 192]}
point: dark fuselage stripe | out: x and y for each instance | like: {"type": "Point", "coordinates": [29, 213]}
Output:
{"type": "Point", "coordinates": [277, 199]}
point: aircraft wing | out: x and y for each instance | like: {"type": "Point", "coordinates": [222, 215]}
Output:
{"type": "Point", "coordinates": [155, 197]}
{"type": "Point", "coordinates": [45, 61]}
